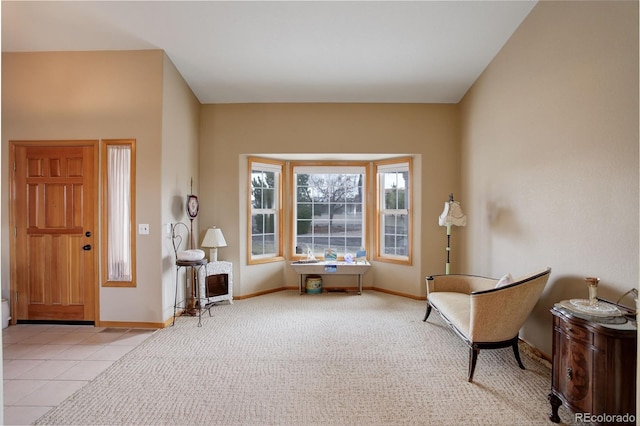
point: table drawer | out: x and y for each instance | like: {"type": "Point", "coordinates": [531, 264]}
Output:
{"type": "Point", "coordinates": [574, 332]}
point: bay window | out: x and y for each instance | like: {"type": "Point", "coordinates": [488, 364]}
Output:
{"type": "Point", "coordinates": [340, 206]}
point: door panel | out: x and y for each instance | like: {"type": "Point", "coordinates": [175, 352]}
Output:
{"type": "Point", "coordinates": [54, 205]}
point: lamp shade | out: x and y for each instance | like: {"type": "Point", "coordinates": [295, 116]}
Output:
{"type": "Point", "coordinates": [214, 238]}
{"type": "Point", "coordinates": [452, 214]}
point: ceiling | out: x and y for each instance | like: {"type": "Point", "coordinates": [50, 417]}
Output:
{"type": "Point", "coordinates": [280, 51]}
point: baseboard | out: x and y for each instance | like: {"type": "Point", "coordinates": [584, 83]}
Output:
{"type": "Point", "coordinates": [348, 289]}
{"type": "Point", "coordinates": [262, 293]}
{"type": "Point", "coordinates": [395, 293]}
{"type": "Point", "coordinates": [130, 324]}
{"type": "Point", "coordinates": [535, 353]}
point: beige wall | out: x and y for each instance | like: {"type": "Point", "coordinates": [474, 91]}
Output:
{"type": "Point", "coordinates": [550, 155]}
{"type": "Point", "coordinates": [179, 166]}
{"type": "Point", "coordinates": [231, 132]}
{"type": "Point", "coordinates": [106, 95]}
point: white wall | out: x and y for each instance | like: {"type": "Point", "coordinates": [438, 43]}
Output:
{"type": "Point", "coordinates": [550, 155]}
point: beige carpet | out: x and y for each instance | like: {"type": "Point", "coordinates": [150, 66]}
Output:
{"type": "Point", "coordinates": [326, 359]}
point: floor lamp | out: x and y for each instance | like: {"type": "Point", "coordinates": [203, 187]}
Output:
{"type": "Point", "coordinates": [451, 215]}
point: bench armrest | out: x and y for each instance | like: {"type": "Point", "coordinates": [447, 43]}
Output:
{"type": "Point", "coordinates": [505, 308]}
{"type": "Point", "coordinates": [459, 283]}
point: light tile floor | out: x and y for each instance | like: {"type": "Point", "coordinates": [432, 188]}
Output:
{"type": "Point", "coordinates": [45, 364]}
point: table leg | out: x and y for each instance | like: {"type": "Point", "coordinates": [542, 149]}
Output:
{"type": "Point", "coordinates": [175, 299]}
{"type": "Point", "coordinates": [196, 285]}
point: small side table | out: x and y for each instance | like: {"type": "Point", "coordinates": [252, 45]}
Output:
{"type": "Point", "coordinates": [194, 266]}
{"type": "Point", "coordinates": [594, 365]}
{"type": "Point", "coordinates": [216, 282]}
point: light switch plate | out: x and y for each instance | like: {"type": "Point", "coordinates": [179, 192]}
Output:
{"type": "Point", "coordinates": [143, 228]}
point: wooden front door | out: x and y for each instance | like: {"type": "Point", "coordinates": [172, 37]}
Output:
{"type": "Point", "coordinates": [53, 205]}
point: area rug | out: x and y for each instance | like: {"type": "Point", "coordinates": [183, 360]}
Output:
{"type": "Point", "coordinates": [325, 359]}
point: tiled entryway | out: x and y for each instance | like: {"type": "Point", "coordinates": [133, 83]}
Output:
{"type": "Point", "coordinates": [45, 364]}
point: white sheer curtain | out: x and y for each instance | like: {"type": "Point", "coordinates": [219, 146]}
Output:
{"type": "Point", "coordinates": [119, 213]}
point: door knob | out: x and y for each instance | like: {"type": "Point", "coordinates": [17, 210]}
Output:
{"type": "Point", "coordinates": [86, 247]}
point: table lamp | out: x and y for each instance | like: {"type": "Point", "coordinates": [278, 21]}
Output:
{"type": "Point", "coordinates": [212, 240]}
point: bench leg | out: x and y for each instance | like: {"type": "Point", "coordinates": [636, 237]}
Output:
{"type": "Point", "coordinates": [426, 315]}
{"type": "Point", "coordinates": [516, 352]}
{"type": "Point", "coordinates": [473, 357]}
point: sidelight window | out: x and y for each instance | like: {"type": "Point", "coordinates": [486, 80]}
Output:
{"type": "Point", "coordinates": [119, 213]}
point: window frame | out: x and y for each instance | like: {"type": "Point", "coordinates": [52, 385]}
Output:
{"type": "Point", "coordinates": [292, 199]}
{"type": "Point", "coordinates": [106, 143]}
{"type": "Point", "coordinates": [393, 164]}
{"type": "Point", "coordinates": [278, 167]}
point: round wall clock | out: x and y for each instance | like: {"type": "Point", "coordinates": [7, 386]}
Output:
{"type": "Point", "coordinates": [192, 206]}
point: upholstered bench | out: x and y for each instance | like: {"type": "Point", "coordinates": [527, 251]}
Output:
{"type": "Point", "coordinates": [486, 313]}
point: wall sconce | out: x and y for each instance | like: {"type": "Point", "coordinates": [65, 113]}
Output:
{"type": "Point", "coordinates": [212, 240]}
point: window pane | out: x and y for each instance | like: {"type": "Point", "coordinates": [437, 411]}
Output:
{"type": "Point", "coordinates": [389, 224]}
{"type": "Point", "coordinates": [402, 224]}
{"type": "Point", "coordinates": [320, 227]}
{"type": "Point", "coordinates": [263, 189]}
{"type": "Point", "coordinates": [393, 211]}
{"type": "Point", "coordinates": [353, 244]}
{"type": "Point", "coordinates": [389, 247]}
{"type": "Point", "coordinates": [269, 224]}
{"type": "Point", "coordinates": [402, 199]}
{"type": "Point", "coordinates": [401, 245]}
{"type": "Point", "coordinates": [268, 198]}
{"type": "Point", "coordinates": [263, 224]}
{"type": "Point", "coordinates": [329, 210]}
{"type": "Point", "coordinates": [319, 244]}
{"type": "Point", "coordinates": [257, 245]}
{"type": "Point", "coordinates": [304, 211]}
{"type": "Point", "coordinates": [265, 214]}
{"type": "Point", "coordinates": [336, 227]}
{"type": "Point", "coordinates": [269, 244]}
{"type": "Point", "coordinates": [395, 190]}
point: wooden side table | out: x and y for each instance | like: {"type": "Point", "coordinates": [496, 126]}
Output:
{"type": "Point", "coordinates": [594, 368]}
